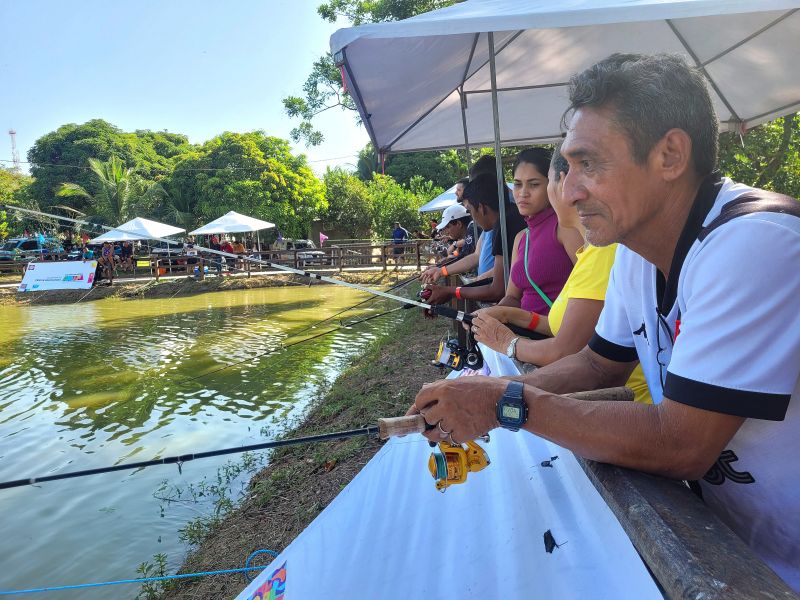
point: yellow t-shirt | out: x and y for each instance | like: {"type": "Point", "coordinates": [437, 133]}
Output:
{"type": "Point", "coordinates": [589, 281]}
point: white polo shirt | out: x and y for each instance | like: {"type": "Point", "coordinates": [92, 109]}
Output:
{"type": "Point", "coordinates": [735, 299]}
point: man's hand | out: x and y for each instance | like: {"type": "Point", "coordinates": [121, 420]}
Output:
{"type": "Point", "coordinates": [440, 294]}
{"type": "Point", "coordinates": [431, 275]}
{"type": "Point", "coordinates": [491, 332]}
{"type": "Point", "coordinates": [462, 409]}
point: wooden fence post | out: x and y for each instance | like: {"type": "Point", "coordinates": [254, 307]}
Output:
{"type": "Point", "coordinates": [383, 256]}
{"type": "Point", "coordinates": [419, 258]}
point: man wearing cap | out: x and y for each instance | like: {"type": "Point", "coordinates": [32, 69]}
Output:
{"type": "Point", "coordinates": [703, 294]}
{"type": "Point", "coordinates": [455, 225]}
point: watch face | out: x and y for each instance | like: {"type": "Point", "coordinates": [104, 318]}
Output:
{"type": "Point", "coordinates": [511, 413]}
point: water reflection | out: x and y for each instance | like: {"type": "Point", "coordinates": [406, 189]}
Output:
{"type": "Point", "coordinates": [100, 383]}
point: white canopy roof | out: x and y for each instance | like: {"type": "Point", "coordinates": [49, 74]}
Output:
{"type": "Point", "coordinates": [407, 77]}
{"type": "Point", "coordinates": [442, 201]}
{"type": "Point", "coordinates": [232, 222]}
{"type": "Point", "coordinates": [138, 229]}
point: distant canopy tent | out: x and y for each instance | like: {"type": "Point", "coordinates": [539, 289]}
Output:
{"type": "Point", "coordinates": [496, 71]}
{"type": "Point", "coordinates": [138, 229]}
{"type": "Point", "coordinates": [233, 222]}
{"type": "Point", "coordinates": [442, 201]}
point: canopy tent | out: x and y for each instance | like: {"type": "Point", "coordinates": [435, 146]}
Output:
{"type": "Point", "coordinates": [746, 48]}
{"type": "Point", "coordinates": [487, 58]}
{"type": "Point", "coordinates": [138, 229]}
{"type": "Point", "coordinates": [443, 200]}
{"type": "Point", "coordinates": [232, 222]}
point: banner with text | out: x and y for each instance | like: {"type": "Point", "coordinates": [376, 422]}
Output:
{"type": "Point", "coordinates": [64, 275]}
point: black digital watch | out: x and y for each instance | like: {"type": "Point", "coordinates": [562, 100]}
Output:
{"type": "Point", "coordinates": [512, 412]}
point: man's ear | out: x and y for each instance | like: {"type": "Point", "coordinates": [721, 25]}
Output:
{"type": "Point", "coordinates": [673, 154]}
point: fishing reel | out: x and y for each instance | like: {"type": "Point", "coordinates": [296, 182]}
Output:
{"type": "Point", "coordinates": [453, 355]}
{"type": "Point", "coordinates": [453, 462]}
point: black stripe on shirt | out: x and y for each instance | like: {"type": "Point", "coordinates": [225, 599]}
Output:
{"type": "Point", "coordinates": [742, 403]}
{"type": "Point", "coordinates": [612, 351]}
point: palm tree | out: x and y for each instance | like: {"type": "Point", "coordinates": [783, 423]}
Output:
{"type": "Point", "coordinates": [119, 190]}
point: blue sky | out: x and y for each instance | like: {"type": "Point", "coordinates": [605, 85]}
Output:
{"type": "Point", "coordinates": [194, 67]}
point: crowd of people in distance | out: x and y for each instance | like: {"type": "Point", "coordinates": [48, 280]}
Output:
{"type": "Point", "coordinates": [634, 262]}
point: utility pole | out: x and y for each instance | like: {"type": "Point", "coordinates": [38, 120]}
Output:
{"type": "Point", "coordinates": [14, 153]}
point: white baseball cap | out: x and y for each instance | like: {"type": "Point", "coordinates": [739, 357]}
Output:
{"type": "Point", "coordinates": [452, 213]}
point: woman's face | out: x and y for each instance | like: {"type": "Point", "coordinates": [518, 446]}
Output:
{"type": "Point", "coordinates": [566, 213]}
{"type": "Point", "coordinates": [530, 190]}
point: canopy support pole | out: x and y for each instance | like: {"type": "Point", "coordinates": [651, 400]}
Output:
{"type": "Point", "coordinates": [467, 152]}
{"type": "Point", "coordinates": [498, 159]}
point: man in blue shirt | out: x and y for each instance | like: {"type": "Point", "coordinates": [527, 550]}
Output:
{"type": "Point", "coordinates": [399, 237]}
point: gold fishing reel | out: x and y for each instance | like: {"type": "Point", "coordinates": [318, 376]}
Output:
{"type": "Point", "coordinates": [453, 462]}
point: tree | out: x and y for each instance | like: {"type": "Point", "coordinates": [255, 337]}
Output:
{"type": "Point", "coordinates": [349, 203]}
{"type": "Point", "coordinates": [391, 202]}
{"type": "Point", "coordinates": [62, 156]}
{"type": "Point", "coordinates": [768, 156]}
{"type": "Point", "coordinates": [117, 191]}
{"type": "Point", "coordinates": [14, 190]}
{"type": "Point", "coordinates": [251, 173]}
{"type": "Point", "coordinates": [323, 89]}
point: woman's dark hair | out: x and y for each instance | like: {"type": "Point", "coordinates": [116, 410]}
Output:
{"type": "Point", "coordinates": [538, 157]}
{"type": "Point", "coordinates": [485, 164]}
{"type": "Point", "coordinates": [483, 190]}
{"type": "Point", "coordinates": [558, 163]}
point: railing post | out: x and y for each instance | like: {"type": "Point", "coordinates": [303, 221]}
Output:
{"type": "Point", "coordinates": [419, 258]}
{"type": "Point", "coordinates": [383, 255]}
{"type": "Point", "coordinates": [158, 269]}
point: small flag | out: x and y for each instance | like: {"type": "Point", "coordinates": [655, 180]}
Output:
{"type": "Point", "coordinates": [322, 238]}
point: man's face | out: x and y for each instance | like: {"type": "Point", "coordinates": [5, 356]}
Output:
{"type": "Point", "coordinates": [459, 191]}
{"type": "Point", "coordinates": [478, 214]}
{"type": "Point", "coordinates": [613, 194]}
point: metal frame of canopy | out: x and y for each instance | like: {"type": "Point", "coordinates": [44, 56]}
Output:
{"type": "Point", "coordinates": [460, 20]}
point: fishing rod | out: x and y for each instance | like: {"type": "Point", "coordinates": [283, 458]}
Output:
{"type": "Point", "coordinates": [437, 309]}
{"type": "Point", "coordinates": [386, 428]}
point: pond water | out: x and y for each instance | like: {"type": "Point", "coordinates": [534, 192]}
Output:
{"type": "Point", "coordinates": [113, 381]}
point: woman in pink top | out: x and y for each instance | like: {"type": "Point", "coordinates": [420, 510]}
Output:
{"type": "Point", "coordinates": [543, 253]}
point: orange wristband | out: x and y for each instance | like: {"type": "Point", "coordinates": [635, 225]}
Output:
{"type": "Point", "coordinates": [534, 321]}
{"type": "Point", "coordinates": [458, 293]}
{"type": "Point", "coordinates": [444, 271]}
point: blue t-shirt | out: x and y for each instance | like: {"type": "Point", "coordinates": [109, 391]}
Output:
{"type": "Point", "coordinates": [399, 235]}
{"type": "Point", "coordinates": [486, 258]}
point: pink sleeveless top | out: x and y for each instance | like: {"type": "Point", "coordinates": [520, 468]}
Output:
{"type": "Point", "coordinates": [548, 262]}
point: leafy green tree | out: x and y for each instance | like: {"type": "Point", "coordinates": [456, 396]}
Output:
{"type": "Point", "coordinates": [62, 156]}
{"type": "Point", "coordinates": [323, 88]}
{"type": "Point", "coordinates": [118, 191]}
{"type": "Point", "coordinates": [391, 202]}
{"type": "Point", "coordinates": [768, 156]}
{"type": "Point", "coordinates": [14, 190]}
{"type": "Point", "coordinates": [251, 173]}
{"type": "Point", "coordinates": [349, 203]}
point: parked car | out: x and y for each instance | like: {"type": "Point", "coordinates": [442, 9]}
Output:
{"type": "Point", "coordinates": [27, 249]}
{"type": "Point", "coordinates": [307, 254]}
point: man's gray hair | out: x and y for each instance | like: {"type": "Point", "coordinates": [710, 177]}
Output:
{"type": "Point", "coordinates": [649, 95]}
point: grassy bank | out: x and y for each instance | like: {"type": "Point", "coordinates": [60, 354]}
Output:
{"type": "Point", "coordinates": [188, 286]}
{"type": "Point", "coordinates": [301, 481]}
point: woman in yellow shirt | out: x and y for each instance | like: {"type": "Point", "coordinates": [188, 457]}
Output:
{"type": "Point", "coordinates": [575, 311]}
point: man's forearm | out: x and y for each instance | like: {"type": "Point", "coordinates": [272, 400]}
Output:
{"type": "Point", "coordinates": [462, 265]}
{"type": "Point", "coordinates": [577, 373]}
